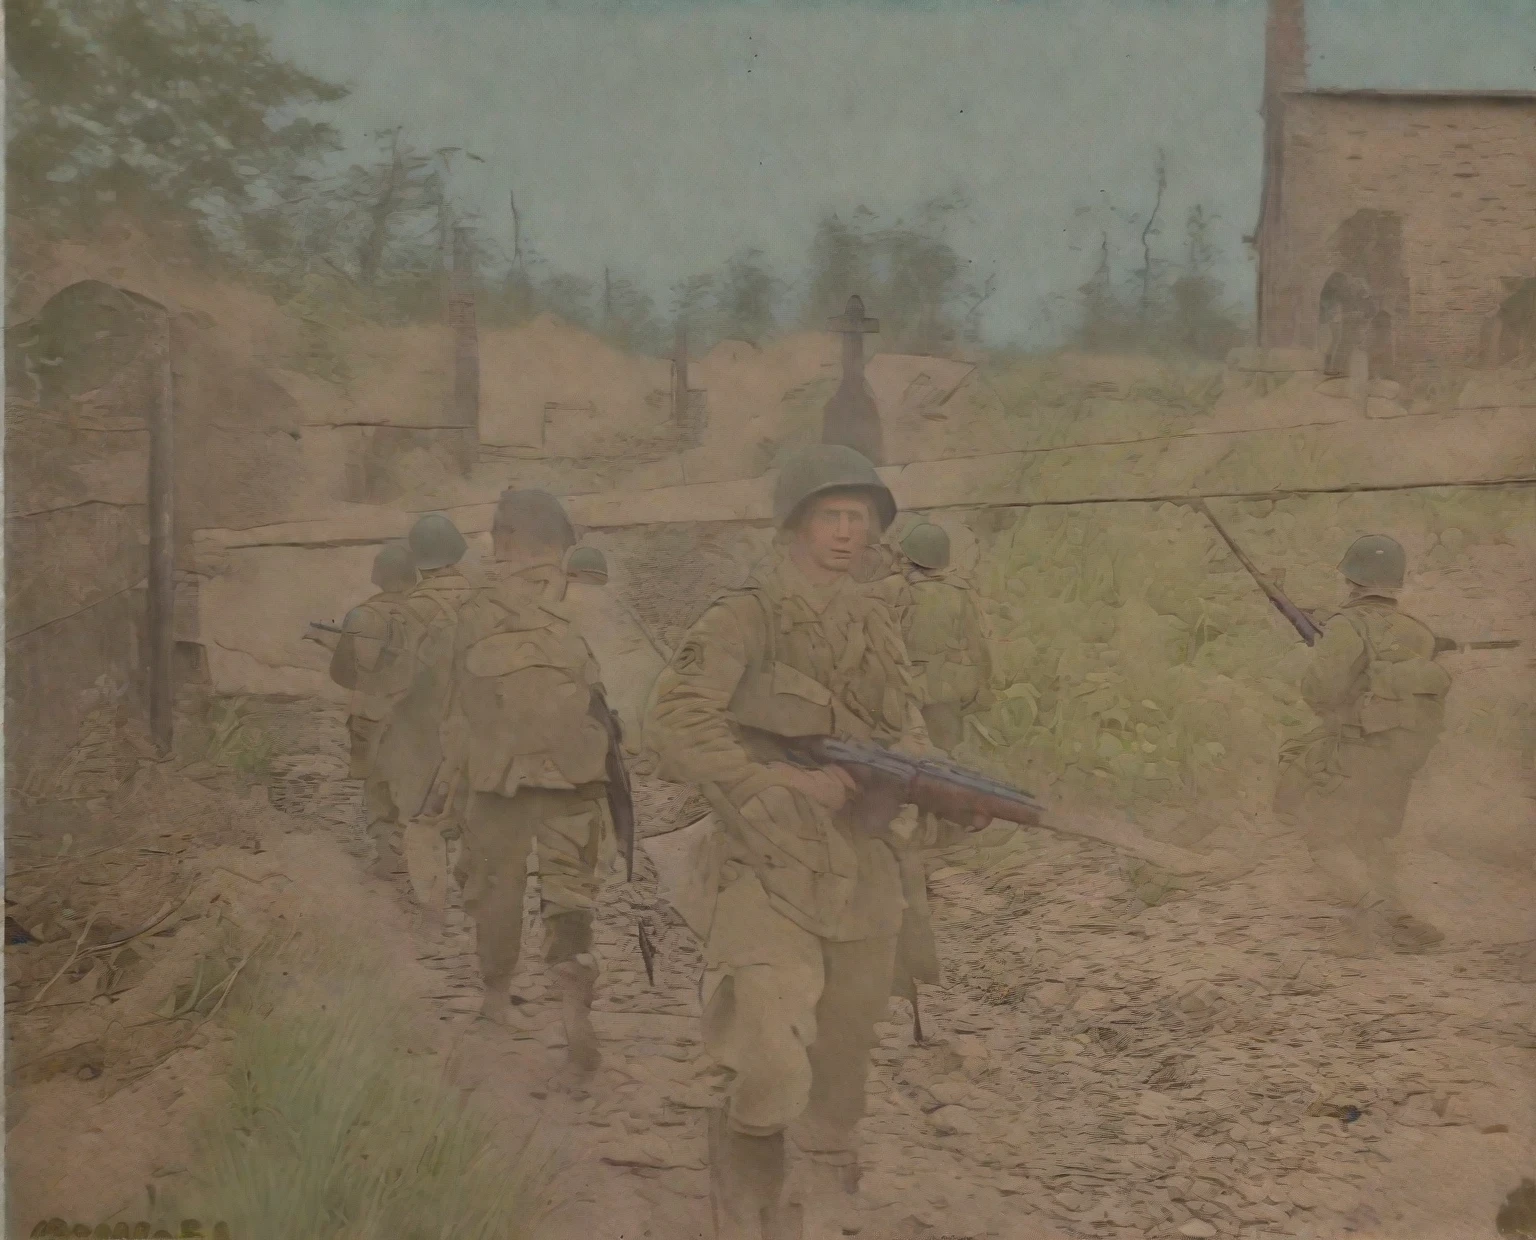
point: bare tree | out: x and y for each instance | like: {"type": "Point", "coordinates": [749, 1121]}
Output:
{"type": "Point", "coordinates": [1149, 230]}
{"type": "Point", "coordinates": [517, 234]}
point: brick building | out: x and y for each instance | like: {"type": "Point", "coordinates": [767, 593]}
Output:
{"type": "Point", "coordinates": [1401, 223]}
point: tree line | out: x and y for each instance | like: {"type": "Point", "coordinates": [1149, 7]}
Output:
{"type": "Point", "coordinates": [188, 121]}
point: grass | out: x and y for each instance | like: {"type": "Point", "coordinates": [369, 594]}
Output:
{"type": "Point", "coordinates": [334, 1127]}
{"type": "Point", "coordinates": [1143, 662]}
{"type": "Point", "coordinates": [238, 742]}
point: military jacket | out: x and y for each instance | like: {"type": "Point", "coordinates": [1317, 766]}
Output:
{"type": "Point", "coordinates": [374, 654]}
{"type": "Point", "coordinates": [1373, 671]}
{"type": "Point", "coordinates": [411, 749]}
{"type": "Point", "coordinates": [527, 687]}
{"type": "Point", "coordinates": [1372, 681]}
{"type": "Point", "coordinates": [374, 658]}
{"type": "Point", "coordinates": [946, 641]}
{"type": "Point", "coordinates": [784, 658]}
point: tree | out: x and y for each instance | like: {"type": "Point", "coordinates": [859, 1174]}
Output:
{"type": "Point", "coordinates": [747, 297]}
{"type": "Point", "coordinates": [694, 307]}
{"type": "Point", "coordinates": [628, 318]}
{"type": "Point", "coordinates": [1101, 322]}
{"type": "Point", "coordinates": [1147, 275]}
{"type": "Point", "coordinates": [402, 182]}
{"type": "Point", "coordinates": [165, 110]}
{"type": "Point", "coordinates": [1203, 326]}
{"type": "Point", "coordinates": [841, 264]}
{"type": "Point", "coordinates": [921, 299]}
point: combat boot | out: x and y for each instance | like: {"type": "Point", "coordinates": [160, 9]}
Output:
{"type": "Point", "coordinates": [746, 1186]}
{"type": "Point", "coordinates": [576, 980]}
{"type": "Point", "coordinates": [825, 1188]}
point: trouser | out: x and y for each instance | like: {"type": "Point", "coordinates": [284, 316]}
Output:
{"type": "Point", "coordinates": [1351, 822]}
{"type": "Point", "coordinates": [917, 957]}
{"type": "Point", "coordinates": [492, 868]}
{"type": "Point", "coordinates": [383, 819]}
{"type": "Point", "coordinates": [793, 1017]}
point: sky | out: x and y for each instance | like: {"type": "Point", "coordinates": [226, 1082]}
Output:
{"type": "Point", "coordinates": [661, 136]}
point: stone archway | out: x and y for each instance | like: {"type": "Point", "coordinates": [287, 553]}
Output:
{"type": "Point", "coordinates": [1364, 303]}
{"type": "Point", "coordinates": [1513, 340]}
{"type": "Point", "coordinates": [1346, 313]}
{"type": "Point", "coordinates": [90, 555]}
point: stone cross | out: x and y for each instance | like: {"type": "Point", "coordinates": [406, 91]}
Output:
{"type": "Point", "coordinates": [850, 416]}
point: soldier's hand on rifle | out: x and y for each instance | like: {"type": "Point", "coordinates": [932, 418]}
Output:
{"type": "Point", "coordinates": [828, 786]}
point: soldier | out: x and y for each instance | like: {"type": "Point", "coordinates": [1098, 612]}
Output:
{"type": "Point", "coordinates": [942, 627]}
{"type": "Point", "coordinates": [629, 656]}
{"type": "Point", "coordinates": [410, 752]}
{"type": "Point", "coordinates": [371, 657]}
{"type": "Point", "coordinates": [1380, 697]}
{"type": "Point", "coordinates": [534, 751]}
{"type": "Point", "coordinates": [587, 566]}
{"type": "Point", "coordinates": [945, 638]}
{"type": "Point", "coordinates": [801, 885]}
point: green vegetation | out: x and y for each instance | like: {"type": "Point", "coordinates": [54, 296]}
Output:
{"type": "Point", "coordinates": [334, 1125]}
{"type": "Point", "coordinates": [237, 741]}
{"type": "Point", "coordinates": [1142, 660]}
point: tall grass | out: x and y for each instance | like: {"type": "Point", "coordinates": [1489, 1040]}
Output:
{"type": "Point", "coordinates": [1139, 659]}
{"type": "Point", "coordinates": [333, 1127]}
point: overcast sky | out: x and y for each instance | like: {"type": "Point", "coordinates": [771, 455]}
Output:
{"type": "Point", "coordinates": [659, 137]}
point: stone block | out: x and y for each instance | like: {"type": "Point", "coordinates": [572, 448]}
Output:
{"type": "Point", "coordinates": [1275, 361]}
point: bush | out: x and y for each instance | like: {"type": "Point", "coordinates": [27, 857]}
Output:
{"type": "Point", "coordinates": [333, 1128]}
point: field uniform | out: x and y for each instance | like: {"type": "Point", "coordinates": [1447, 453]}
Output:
{"type": "Point", "coordinates": [953, 668]}
{"type": "Point", "coordinates": [1380, 697]}
{"type": "Point", "coordinates": [373, 658]}
{"type": "Point", "coordinates": [807, 905]}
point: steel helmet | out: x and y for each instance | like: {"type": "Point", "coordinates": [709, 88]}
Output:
{"type": "Point", "coordinates": [394, 568]}
{"type": "Point", "coordinates": [828, 467]}
{"type": "Point", "coordinates": [587, 562]}
{"type": "Point", "coordinates": [436, 542]}
{"type": "Point", "coordinates": [532, 518]}
{"type": "Point", "coordinates": [927, 545]}
{"type": "Point", "coordinates": [1375, 560]}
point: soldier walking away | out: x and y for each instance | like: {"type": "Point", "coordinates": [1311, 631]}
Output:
{"type": "Point", "coordinates": [947, 645]}
{"type": "Point", "coordinates": [800, 891]}
{"type": "Point", "coordinates": [1380, 696]}
{"type": "Point", "coordinates": [945, 638]}
{"type": "Point", "coordinates": [534, 749]}
{"type": "Point", "coordinates": [410, 752]}
{"type": "Point", "coordinates": [373, 658]}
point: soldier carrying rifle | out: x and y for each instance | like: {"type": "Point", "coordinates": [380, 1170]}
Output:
{"type": "Point", "coordinates": [791, 704]}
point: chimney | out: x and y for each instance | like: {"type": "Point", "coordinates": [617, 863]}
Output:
{"type": "Point", "coordinates": [1285, 70]}
{"type": "Point", "coordinates": [1285, 48]}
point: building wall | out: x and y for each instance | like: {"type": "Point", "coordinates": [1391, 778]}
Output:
{"type": "Point", "coordinates": [1461, 177]}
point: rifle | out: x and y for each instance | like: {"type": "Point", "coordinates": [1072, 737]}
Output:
{"type": "Point", "coordinates": [1300, 621]}
{"type": "Point", "coordinates": [438, 790]}
{"type": "Point", "coordinates": [621, 799]}
{"type": "Point", "coordinates": [958, 794]}
{"type": "Point", "coordinates": [647, 950]}
{"type": "Point", "coordinates": [1303, 623]}
{"type": "Point", "coordinates": [1443, 644]}
{"type": "Point", "coordinates": [326, 628]}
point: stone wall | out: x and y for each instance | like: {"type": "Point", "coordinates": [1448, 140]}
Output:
{"type": "Point", "coordinates": [1456, 176]}
{"type": "Point", "coordinates": [76, 543]}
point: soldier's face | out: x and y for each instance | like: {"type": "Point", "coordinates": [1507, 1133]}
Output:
{"type": "Point", "coordinates": [834, 533]}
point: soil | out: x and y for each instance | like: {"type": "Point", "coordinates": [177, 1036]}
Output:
{"type": "Point", "coordinates": [1093, 1065]}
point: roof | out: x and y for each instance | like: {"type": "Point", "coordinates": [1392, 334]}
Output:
{"type": "Point", "coordinates": [1420, 96]}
